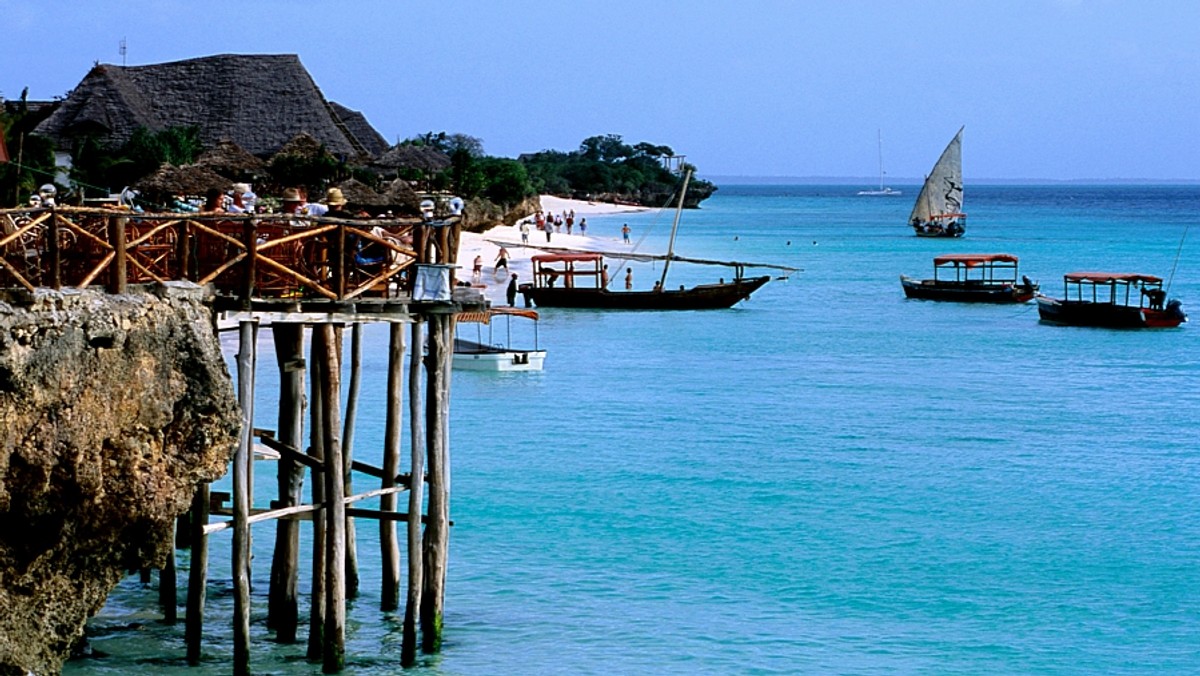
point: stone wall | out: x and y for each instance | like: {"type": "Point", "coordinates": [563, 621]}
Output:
{"type": "Point", "coordinates": [113, 408]}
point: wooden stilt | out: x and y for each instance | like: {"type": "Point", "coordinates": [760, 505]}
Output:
{"type": "Point", "coordinates": [197, 576]}
{"type": "Point", "coordinates": [241, 500]}
{"type": "Point", "coordinates": [316, 449]}
{"type": "Point", "coordinates": [334, 654]}
{"type": "Point", "coordinates": [388, 545]}
{"type": "Point", "coordinates": [416, 495]}
{"type": "Point", "coordinates": [436, 529]}
{"type": "Point", "coordinates": [356, 332]}
{"type": "Point", "coordinates": [283, 609]}
{"type": "Point", "coordinates": [167, 592]}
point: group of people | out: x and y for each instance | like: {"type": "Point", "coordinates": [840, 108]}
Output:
{"type": "Point", "coordinates": [552, 223]}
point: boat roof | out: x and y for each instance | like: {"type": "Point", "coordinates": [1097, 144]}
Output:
{"type": "Point", "coordinates": [485, 316]}
{"type": "Point", "coordinates": [566, 257]}
{"type": "Point", "coordinates": [1105, 277]}
{"type": "Point", "coordinates": [970, 259]}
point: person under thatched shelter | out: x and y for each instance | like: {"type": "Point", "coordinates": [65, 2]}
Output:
{"type": "Point", "coordinates": [232, 161]}
{"type": "Point", "coordinates": [190, 179]}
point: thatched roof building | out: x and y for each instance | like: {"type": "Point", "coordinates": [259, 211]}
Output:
{"type": "Point", "coordinates": [229, 159]}
{"type": "Point", "coordinates": [190, 179]}
{"type": "Point", "coordinates": [258, 101]}
{"type": "Point", "coordinates": [409, 156]}
{"type": "Point", "coordinates": [356, 122]}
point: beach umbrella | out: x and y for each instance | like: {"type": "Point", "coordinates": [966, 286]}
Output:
{"type": "Point", "coordinates": [229, 159]}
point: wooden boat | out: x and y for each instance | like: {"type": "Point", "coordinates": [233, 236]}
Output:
{"type": "Point", "coordinates": [581, 279]}
{"type": "Point", "coordinates": [1112, 300]}
{"type": "Point", "coordinates": [938, 209]}
{"type": "Point", "coordinates": [477, 355]}
{"type": "Point", "coordinates": [972, 278]}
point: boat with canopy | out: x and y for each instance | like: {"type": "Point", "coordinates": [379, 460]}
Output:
{"type": "Point", "coordinates": [972, 278]}
{"type": "Point", "coordinates": [490, 355]}
{"type": "Point", "coordinates": [1112, 300]}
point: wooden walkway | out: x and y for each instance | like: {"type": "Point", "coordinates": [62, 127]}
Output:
{"type": "Point", "coordinates": [294, 274]}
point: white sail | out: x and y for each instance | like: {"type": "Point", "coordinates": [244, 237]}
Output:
{"type": "Point", "coordinates": [942, 193]}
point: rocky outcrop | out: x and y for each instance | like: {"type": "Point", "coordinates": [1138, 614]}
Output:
{"type": "Point", "coordinates": [480, 214]}
{"type": "Point", "coordinates": [113, 408]}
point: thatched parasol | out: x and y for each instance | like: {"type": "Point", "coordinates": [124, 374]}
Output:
{"type": "Point", "coordinates": [361, 194]}
{"type": "Point", "coordinates": [402, 196]}
{"type": "Point", "coordinates": [229, 159]}
{"type": "Point", "coordinates": [302, 145]}
{"type": "Point", "coordinates": [423, 158]}
{"type": "Point", "coordinates": [190, 179]}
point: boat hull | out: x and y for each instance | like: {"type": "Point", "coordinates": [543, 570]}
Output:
{"type": "Point", "coordinates": [499, 360]}
{"type": "Point", "coordinates": [940, 233]}
{"type": "Point", "coordinates": [702, 297]}
{"type": "Point", "coordinates": [1106, 315]}
{"type": "Point", "coordinates": [966, 292]}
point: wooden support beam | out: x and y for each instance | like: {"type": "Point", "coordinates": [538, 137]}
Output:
{"type": "Point", "coordinates": [316, 448]}
{"type": "Point", "coordinates": [389, 545]}
{"type": "Point", "coordinates": [167, 591]}
{"type": "Point", "coordinates": [334, 651]}
{"type": "Point", "coordinates": [248, 336]}
{"type": "Point", "coordinates": [197, 576]}
{"type": "Point", "coordinates": [412, 603]}
{"type": "Point", "coordinates": [356, 333]}
{"type": "Point", "coordinates": [436, 542]}
{"type": "Point", "coordinates": [283, 614]}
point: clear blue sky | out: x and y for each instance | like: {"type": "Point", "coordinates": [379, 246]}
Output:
{"type": "Point", "coordinates": [1058, 89]}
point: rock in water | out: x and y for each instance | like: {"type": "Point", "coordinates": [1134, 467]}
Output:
{"type": "Point", "coordinates": [113, 409]}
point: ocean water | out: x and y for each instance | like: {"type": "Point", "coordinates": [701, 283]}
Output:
{"type": "Point", "coordinates": [827, 478]}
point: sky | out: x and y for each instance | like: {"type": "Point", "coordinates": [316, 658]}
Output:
{"type": "Point", "coordinates": [1046, 89]}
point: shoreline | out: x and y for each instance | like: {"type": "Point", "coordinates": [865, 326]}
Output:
{"type": "Point", "coordinates": [487, 244]}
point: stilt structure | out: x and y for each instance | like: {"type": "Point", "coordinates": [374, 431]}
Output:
{"type": "Point", "coordinates": [268, 271]}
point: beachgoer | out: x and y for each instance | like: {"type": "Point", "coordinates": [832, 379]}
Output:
{"type": "Point", "coordinates": [541, 221]}
{"type": "Point", "coordinates": [604, 277]}
{"type": "Point", "coordinates": [511, 291]}
{"type": "Point", "coordinates": [501, 262]}
{"type": "Point", "coordinates": [249, 199]}
{"type": "Point", "coordinates": [570, 222]}
{"type": "Point", "coordinates": [214, 200]}
{"type": "Point", "coordinates": [525, 232]}
{"type": "Point", "coordinates": [477, 270]}
{"type": "Point", "coordinates": [625, 232]}
{"type": "Point", "coordinates": [628, 279]}
{"type": "Point", "coordinates": [558, 221]}
{"type": "Point", "coordinates": [549, 229]}
{"type": "Point", "coordinates": [335, 203]}
{"type": "Point", "coordinates": [583, 226]}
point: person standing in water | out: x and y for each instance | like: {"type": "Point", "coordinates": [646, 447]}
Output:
{"type": "Point", "coordinates": [628, 279]}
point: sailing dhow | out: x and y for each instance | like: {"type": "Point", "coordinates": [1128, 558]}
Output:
{"type": "Point", "coordinates": [938, 210]}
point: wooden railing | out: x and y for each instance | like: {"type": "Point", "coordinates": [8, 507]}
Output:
{"type": "Point", "coordinates": [244, 256]}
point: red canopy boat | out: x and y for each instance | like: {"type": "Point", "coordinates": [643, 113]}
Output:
{"type": "Point", "coordinates": [1113, 300]}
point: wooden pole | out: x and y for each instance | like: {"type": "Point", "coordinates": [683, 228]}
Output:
{"type": "Point", "coordinates": [55, 252]}
{"type": "Point", "coordinates": [389, 546]}
{"type": "Point", "coordinates": [335, 509]}
{"type": "Point", "coordinates": [356, 332]}
{"type": "Point", "coordinates": [167, 591]}
{"type": "Point", "coordinates": [416, 495]}
{"type": "Point", "coordinates": [116, 236]}
{"type": "Point", "coordinates": [197, 575]}
{"type": "Point", "coordinates": [283, 611]}
{"type": "Point", "coordinates": [316, 620]}
{"type": "Point", "coordinates": [241, 500]}
{"type": "Point", "coordinates": [436, 530]}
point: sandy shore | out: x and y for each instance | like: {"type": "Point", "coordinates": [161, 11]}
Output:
{"type": "Point", "coordinates": [487, 245]}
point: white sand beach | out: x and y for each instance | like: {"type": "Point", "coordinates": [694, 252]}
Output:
{"type": "Point", "coordinates": [487, 245]}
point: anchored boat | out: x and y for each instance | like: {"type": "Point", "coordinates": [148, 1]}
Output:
{"type": "Point", "coordinates": [972, 278]}
{"type": "Point", "coordinates": [477, 355]}
{"type": "Point", "coordinates": [1119, 300]}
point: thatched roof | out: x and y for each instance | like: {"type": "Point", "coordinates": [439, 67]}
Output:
{"type": "Point", "coordinates": [257, 100]}
{"type": "Point", "coordinates": [190, 179]}
{"type": "Point", "coordinates": [302, 145]}
{"type": "Point", "coordinates": [372, 141]}
{"type": "Point", "coordinates": [410, 156]}
{"type": "Point", "coordinates": [361, 194]}
{"type": "Point", "coordinates": [229, 159]}
{"type": "Point", "coordinates": [401, 194]}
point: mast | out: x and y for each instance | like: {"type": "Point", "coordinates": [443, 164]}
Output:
{"type": "Point", "coordinates": [879, 133]}
{"type": "Point", "coordinates": [662, 283]}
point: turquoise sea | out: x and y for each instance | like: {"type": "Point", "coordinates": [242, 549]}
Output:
{"type": "Point", "coordinates": [827, 478]}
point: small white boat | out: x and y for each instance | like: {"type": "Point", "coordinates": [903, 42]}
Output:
{"type": "Point", "coordinates": [478, 355]}
{"type": "Point", "coordinates": [883, 190]}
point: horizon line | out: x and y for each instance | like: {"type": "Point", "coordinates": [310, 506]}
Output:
{"type": "Point", "coordinates": [874, 180]}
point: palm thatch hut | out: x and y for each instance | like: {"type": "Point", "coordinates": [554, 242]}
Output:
{"type": "Point", "coordinates": [304, 146]}
{"type": "Point", "coordinates": [276, 98]}
{"type": "Point", "coordinates": [401, 196]}
{"type": "Point", "coordinates": [232, 161]}
{"type": "Point", "coordinates": [360, 194]}
{"type": "Point", "coordinates": [408, 156]}
{"type": "Point", "coordinates": [190, 179]}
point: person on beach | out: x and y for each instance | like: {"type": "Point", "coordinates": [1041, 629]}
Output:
{"type": "Point", "coordinates": [511, 291]}
{"type": "Point", "coordinates": [501, 262]}
{"type": "Point", "coordinates": [477, 270]}
{"type": "Point", "coordinates": [570, 222]}
{"type": "Point", "coordinates": [525, 233]}
{"type": "Point", "coordinates": [583, 226]}
{"type": "Point", "coordinates": [558, 221]}
{"type": "Point", "coordinates": [625, 232]}
{"type": "Point", "coordinates": [541, 221]}
{"type": "Point", "coordinates": [549, 230]}
{"type": "Point", "coordinates": [628, 279]}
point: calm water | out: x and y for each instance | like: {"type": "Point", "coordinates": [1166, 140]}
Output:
{"type": "Point", "coordinates": [828, 478]}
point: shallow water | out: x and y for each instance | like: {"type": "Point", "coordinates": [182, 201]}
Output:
{"type": "Point", "coordinates": [826, 478]}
